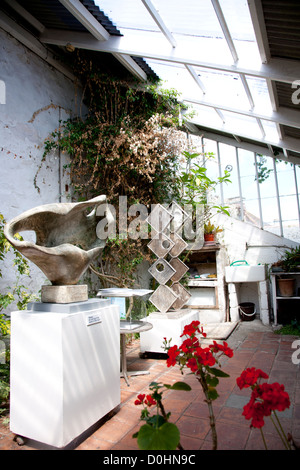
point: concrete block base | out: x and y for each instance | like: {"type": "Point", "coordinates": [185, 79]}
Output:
{"type": "Point", "coordinates": [64, 294]}
{"type": "Point", "coordinates": [166, 325]}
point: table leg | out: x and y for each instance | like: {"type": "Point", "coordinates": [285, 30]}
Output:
{"type": "Point", "coordinates": [123, 359]}
{"type": "Point", "coordinates": [124, 372]}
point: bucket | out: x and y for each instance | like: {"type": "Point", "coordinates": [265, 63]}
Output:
{"type": "Point", "coordinates": [247, 311]}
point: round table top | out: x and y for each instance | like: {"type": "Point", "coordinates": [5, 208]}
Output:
{"type": "Point", "coordinates": [134, 326]}
{"type": "Point", "coordinates": [123, 292]}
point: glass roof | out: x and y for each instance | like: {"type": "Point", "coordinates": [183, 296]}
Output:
{"type": "Point", "coordinates": [216, 33]}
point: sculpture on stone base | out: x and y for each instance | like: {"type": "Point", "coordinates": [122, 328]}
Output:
{"type": "Point", "coordinates": [66, 238]}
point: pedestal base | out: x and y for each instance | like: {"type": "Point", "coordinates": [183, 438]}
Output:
{"type": "Point", "coordinates": [169, 325]}
{"type": "Point", "coordinates": [65, 369]}
{"type": "Point", "coordinates": [64, 294]}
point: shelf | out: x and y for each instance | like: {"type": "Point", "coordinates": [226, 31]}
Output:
{"type": "Point", "coordinates": [276, 289]}
{"type": "Point", "coordinates": [202, 282]}
{"type": "Point", "coordinates": [284, 273]}
{"type": "Point", "coordinates": [287, 298]}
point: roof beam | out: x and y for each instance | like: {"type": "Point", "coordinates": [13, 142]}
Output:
{"type": "Point", "coordinates": [159, 21]}
{"type": "Point", "coordinates": [251, 147]}
{"type": "Point", "coordinates": [258, 21]}
{"type": "Point", "coordinates": [196, 78]}
{"type": "Point", "coordinates": [282, 70]}
{"type": "Point", "coordinates": [285, 116]}
{"type": "Point", "coordinates": [28, 40]}
{"type": "Point", "coordinates": [288, 143]}
{"type": "Point", "coordinates": [131, 65]}
{"type": "Point", "coordinates": [247, 90]}
{"type": "Point", "coordinates": [26, 15]}
{"type": "Point", "coordinates": [86, 19]}
{"type": "Point", "coordinates": [78, 10]}
{"type": "Point", "coordinates": [225, 29]}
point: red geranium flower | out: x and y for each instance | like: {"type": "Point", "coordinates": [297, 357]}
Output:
{"type": "Point", "coordinates": [224, 348]}
{"type": "Point", "coordinates": [249, 377]}
{"type": "Point", "coordinates": [149, 401]}
{"type": "Point", "coordinates": [189, 345]}
{"type": "Point", "coordinates": [173, 352]}
{"type": "Point", "coordinates": [205, 356]}
{"type": "Point", "coordinates": [191, 329]}
{"type": "Point", "coordinates": [140, 399]}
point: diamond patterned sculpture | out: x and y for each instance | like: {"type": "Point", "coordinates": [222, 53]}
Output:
{"type": "Point", "coordinates": [162, 271]}
{"type": "Point", "coordinates": [163, 298]}
{"type": "Point", "coordinates": [179, 267]}
{"type": "Point", "coordinates": [159, 218]}
{"type": "Point", "coordinates": [161, 245]}
{"type": "Point", "coordinates": [182, 295]}
{"type": "Point", "coordinates": [168, 243]}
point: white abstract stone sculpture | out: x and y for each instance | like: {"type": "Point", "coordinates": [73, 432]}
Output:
{"type": "Point", "coordinates": [66, 239]}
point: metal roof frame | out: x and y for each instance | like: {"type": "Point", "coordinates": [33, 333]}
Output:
{"type": "Point", "coordinates": [279, 69]}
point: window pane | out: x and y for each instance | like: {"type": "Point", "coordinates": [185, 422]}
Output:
{"type": "Point", "coordinates": [286, 178]}
{"type": "Point", "coordinates": [228, 162]}
{"type": "Point", "coordinates": [268, 195]}
{"type": "Point", "coordinates": [249, 187]}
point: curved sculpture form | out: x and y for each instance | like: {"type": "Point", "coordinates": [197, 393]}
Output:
{"type": "Point", "coordinates": [66, 239]}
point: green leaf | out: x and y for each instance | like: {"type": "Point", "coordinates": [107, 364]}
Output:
{"type": "Point", "coordinates": [165, 437]}
{"type": "Point", "coordinates": [212, 393]}
{"type": "Point", "coordinates": [212, 381]}
{"type": "Point", "coordinates": [156, 421]}
{"type": "Point", "coordinates": [217, 372]}
{"type": "Point", "coordinates": [180, 386]}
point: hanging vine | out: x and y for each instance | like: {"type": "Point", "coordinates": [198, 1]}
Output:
{"type": "Point", "coordinates": [127, 144]}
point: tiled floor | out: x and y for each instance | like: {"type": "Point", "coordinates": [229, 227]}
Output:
{"type": "Point", "coordinates": [254, 345]}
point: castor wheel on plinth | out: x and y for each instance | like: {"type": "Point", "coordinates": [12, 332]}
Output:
{"type": "Point", "coordinates": [20, 440]}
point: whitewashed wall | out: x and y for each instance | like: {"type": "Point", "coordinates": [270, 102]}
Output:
{"type": "Point", "coordinates": [243, 241]}
{"type": "Point", "coordinates": [37, 97]}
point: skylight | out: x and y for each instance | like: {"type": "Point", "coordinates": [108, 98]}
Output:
{"type": "Point", "coordinates": [195, 47]}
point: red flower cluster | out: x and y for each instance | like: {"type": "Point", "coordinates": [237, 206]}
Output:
{"type": "Point", "coordinates": [192, 329]}
{"type": "Point", "coordinates": [250, 377]}
{"type": "Point", "coordinates": [265, 397]}
{"type": "Point", "coordinates": [195, 355]}
{"type": "Point", "coordinates": [224, 348]}
{"type": "Point", "coordinates": [147, 400]}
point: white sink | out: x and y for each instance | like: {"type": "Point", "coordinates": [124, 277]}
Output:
{"type": "Point", "coordinates": [245, 273]}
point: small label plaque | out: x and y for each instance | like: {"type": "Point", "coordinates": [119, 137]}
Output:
{"type": "Point", "coordinates": [92, 319]}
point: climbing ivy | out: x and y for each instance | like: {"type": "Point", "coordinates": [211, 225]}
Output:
{"type": "Point", "coordinates": [127, 144]}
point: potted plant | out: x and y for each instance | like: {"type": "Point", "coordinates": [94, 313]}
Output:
{"type": "Point", "coordinates": [210, 230]}
{"type": "Point", "coordinates": [290, 262]}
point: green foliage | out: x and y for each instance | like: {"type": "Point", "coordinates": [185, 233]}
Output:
{"type": "Point", "coordinates": [194, 187]}
{"type": "Point", "coordinates": [127, 145]}
{"type": "Point", "coordinates": [292, 329]}
{"type": "Point", "coordinates": [211, 228]}
{"type": "Point", "coordinates": [158, 433]}
{"type": "Point", "coordinates": [160, 437]}
{"type": "Point", "coordinates": [263, 172]}
{"type": "Point", "coordinates": [291, 260]}
{"type": "Point", "coordinates": [17, 293]}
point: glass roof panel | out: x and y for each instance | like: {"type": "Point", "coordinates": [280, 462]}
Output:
{"type": "Point", "coordinates": [192, 17]}
{"type": "Point", "coordinates": [199, 37]}
{"type": "Point", "coordinates": [127, 14]}
{"type": "Point", "coordinates": [237, 16]}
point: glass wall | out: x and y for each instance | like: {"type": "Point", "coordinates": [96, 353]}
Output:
{"type": "Point", "coordinates": [264, 191]}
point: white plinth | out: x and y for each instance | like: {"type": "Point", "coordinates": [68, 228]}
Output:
{"type": "Point", "coordinates": [65, 369]}
{"type": "Point", "coordinates": [169, 325]}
